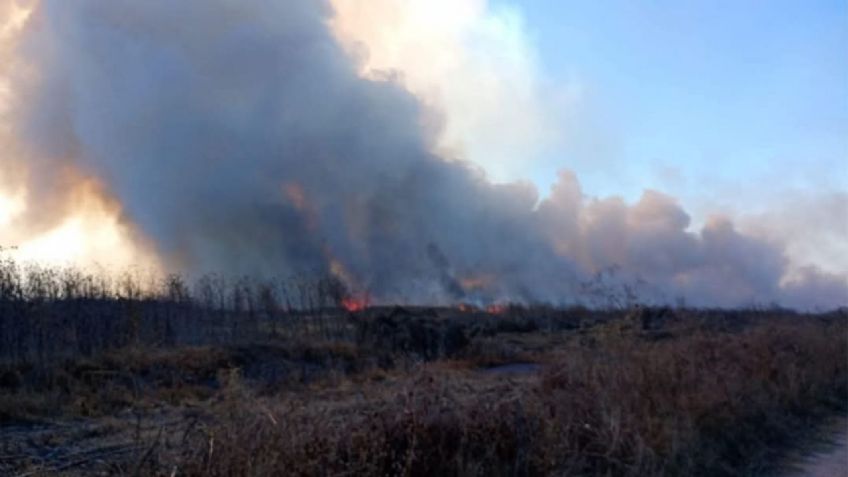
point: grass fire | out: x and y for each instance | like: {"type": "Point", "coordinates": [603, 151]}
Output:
{"type": "Point", "coordinates": [421, 237]}
{"type": "Point", "coordinates": [243, 377]}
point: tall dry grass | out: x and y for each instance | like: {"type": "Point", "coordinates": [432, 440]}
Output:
{"type": "Point", "coordinates": [286, 383]}
{"type": "Point", "coordinates": [705, 404]}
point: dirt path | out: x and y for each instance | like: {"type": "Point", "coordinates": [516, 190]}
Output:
{"type": "Point", "coordinates": [79, 447]}
{"type": "Point", "coordinates": [831, 460]}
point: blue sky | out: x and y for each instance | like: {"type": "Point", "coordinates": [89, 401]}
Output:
{"type": "Point", "coordinates": [698, 98]}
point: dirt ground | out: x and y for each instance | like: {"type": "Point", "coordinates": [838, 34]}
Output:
{"type": "Point", "coordinates": [829, 458]}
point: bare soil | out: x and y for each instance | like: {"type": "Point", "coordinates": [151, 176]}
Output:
{"type": "Point", "coordinates": [827, 456]}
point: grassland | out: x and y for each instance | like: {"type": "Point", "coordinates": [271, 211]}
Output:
{"type": "Point", "coordinates": [245, 378]}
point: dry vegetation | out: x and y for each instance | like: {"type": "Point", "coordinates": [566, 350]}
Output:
{"type": "Point", "coordinates": [275, 378]}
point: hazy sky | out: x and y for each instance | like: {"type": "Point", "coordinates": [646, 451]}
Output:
{"type": "Point", "coordinates": [707, 100]}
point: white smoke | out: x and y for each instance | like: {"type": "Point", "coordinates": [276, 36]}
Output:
{"type": "Point", "coordinates": [241, 136]}
{"type": "Point", "coordinates": [471, 62]}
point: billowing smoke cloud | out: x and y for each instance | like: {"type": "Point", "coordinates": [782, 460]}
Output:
{"type": "Point", "coordinates": [479, 71]}
{"type": "Point", "coordinates": [240, 136]}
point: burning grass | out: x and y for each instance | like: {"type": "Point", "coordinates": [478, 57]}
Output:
{"type": "Point", "coordinates": [179, 384]}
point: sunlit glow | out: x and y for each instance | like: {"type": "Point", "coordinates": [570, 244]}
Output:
{"type": "Point", "coordinates": [15, 16]}
{"type": "Point", "coordinates": [91, 231]}
{"type": "Point", "coordinates": [81, 240]}
{"type": "Point", "coordinates": [467, 60]}
{"type": "Point", "coordinates": [10, 207]}
{"type": "Point", "coordinates": [90, 234]}
{"type": "Point", "coordinates": [62, 245]}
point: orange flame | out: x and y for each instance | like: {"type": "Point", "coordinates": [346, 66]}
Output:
{"type": "Point", "coordinates": [357, 300]}
{"type": "Point", "coordinates": [477, 282]}
{"type": "Point", "coordinates": [496, 309]}
{"type": "Point", "coordinates": [355, 304]}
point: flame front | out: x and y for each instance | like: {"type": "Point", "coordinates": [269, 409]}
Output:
{"type": "Point", "coordinates": [355, 304]}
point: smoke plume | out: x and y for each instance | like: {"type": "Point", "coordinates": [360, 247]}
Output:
{"type": "Point", "coordinates": [240, 136]}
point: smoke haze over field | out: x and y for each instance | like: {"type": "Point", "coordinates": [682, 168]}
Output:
{"type": "Point", "coordinates": [242, 136]}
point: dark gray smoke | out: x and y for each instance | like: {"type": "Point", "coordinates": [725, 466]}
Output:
{"type": "Point", "coordinates": [238, 136]}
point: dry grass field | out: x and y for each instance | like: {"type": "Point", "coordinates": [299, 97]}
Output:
{"type": "Point", "coordinates": [101, 378]}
